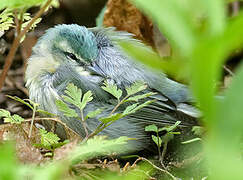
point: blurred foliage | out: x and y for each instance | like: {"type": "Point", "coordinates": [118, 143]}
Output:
{"type": "Point", "coordinates": [11, 170]}
{"type": "Point", "coordinates": [203, 46]}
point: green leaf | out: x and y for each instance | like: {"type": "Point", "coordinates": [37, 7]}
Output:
{"type": "Point", "coordinates": [48, 154]}
{"type": "Point", "coordinates": [170, 128]}
{"type": "Point", "coordinates": [157, 140]}
{"type": "Point", "coordinates": [48, 139]}
{"type": "Point", "coordinates": [129, 109]}
{"type": "Point", "coordinates": [87, 97]}
{"type": "Point", "coordinates": [175, 133]}
{"type": "Point", "coordinates": [112, 89]}
{"type": "Point", "coordinates": [59, 144]}
{"type": "Point", "coordinates": [216, 15]}
{"type": "Point", "coordinates": [4, 113]}
{"type": "Point", "coordinates": [6, 20]}
{"type": "Point", "coordinates": [230, 37]}
{"type": "Point", "coordinates": [33, 25]}
{"type": "Point", "coordinates": [152, 128]}
{"type": "Point", "coordinates": [135, 88]}
{"type": "Point", "coordinates": [74, 95]}
{"type": "Point", "coordinates": [17, 119]}
{"type": "Point", "coordinates": [140, 106]}
{"type": "Point", "coordinates": [25, 23]}
{"type": "Point", "coordinates": [22, 101]}
{"type": "Point", "coordinates": [45, 112]}
{"type": "Point", "coordinates": [191, 141]}
{"type": "Point", "coordinates": [111, 118]}
{"type": "Point", "coordinates": [63, 107]}
{"type": "Point", "coordinates": [55, 3]}
{"type": "Point", "coordinates": [92, 114]}
{"type": "Point", "coordinates": [138, 97]}
{"type": "Point", "coordinates": [7, 120]}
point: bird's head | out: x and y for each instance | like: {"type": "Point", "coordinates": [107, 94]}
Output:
{"type": "Point", "coordinates": [71, 45]}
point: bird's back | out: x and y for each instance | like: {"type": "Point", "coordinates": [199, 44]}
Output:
{"type": "Point", "coordinates": [124, 70]}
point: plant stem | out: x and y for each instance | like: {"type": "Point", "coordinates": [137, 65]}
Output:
{"type": "Point", "coordinates": [163, 153]}
{"type": "Point", "coordinates": [119, 103]}
{"type": "Point", "coordinates": [16, 42]}
{"type": "Point", "coordinates": [32, 121]}
{"type": "Point", "coordinates": [102, 125]}
{"type": "Point", "coordinates": [97, 130]}
{"type": "Point", "coordinates": [158, 146]}
{"type": "Point", "coordinates": [84, 126]}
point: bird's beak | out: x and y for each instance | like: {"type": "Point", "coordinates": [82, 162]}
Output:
{"type": "Point", "coordinates": [95, 69]}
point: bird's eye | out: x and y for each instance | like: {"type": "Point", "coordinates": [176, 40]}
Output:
{"type": "Point", "coordinates": [71, 56]}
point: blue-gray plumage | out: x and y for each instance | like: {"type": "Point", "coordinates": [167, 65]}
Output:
{"type": "Point", "coordinates": [86, 57]}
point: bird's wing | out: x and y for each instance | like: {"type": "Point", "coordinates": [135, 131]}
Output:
{"type": "Point", "coordinates": [162, 112]}
{"type": "Point", "coordinates": [111, 56]}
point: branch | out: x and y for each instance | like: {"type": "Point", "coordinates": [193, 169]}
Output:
{"type": "Point", "coordinates": [14, 47]}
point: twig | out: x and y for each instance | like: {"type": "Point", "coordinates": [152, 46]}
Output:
{"type": "Point", "coordinates": [155, 167]}
{"type": "Point", "coordinates": [14, 47]}
{"type": "Point", "coordinates": [52, 119]}
{"type": "Point", "coordinates": [18, 22]}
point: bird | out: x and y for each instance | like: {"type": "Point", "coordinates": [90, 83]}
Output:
{"type": "Point", "coordinates": [86, 57]}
